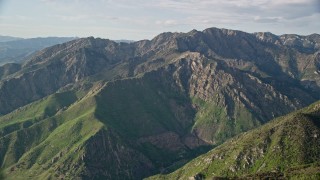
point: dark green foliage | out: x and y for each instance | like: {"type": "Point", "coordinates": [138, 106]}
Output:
{"type": "Point", "coordinates": [2, 176]}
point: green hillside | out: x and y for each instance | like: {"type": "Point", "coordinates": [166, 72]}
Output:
{"type": "Point", "coordinates": [287, 147]}
{"type": "Point", "coordinates": [62, 135]}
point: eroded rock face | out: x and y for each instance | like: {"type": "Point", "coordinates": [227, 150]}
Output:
{"type": "Point", "coordinates": [228, 95]}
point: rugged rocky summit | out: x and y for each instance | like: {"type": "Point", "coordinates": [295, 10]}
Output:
{"type": "Point", "coordinates": [150, 105]}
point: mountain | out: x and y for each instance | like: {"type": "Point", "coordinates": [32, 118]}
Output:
{"type": "Point", "coordinates": [285, 148]}
{"type": "Point", "coordinates": [92, 108]}
{"type": "Point", "coordinates": [15, 50]}
{"type": "Point", "coordinates": [8, 38]}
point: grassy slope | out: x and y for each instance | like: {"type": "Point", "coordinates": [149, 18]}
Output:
{"type": "Point", "coordinates": [14, 126]}
{"type": "Point", "coordinates": [50, 138]}
{"type": "Point", "coordinates": [49, 132]}
{"type": "Point", "coordinates": [215, 123]}
{"type": "Point", "coordinates": [287, 146]}
{"type": "Point", "coordinates": [38, 110]}
{"type": "Point", "coordinates": [70, 147]}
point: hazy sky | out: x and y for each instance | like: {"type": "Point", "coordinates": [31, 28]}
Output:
{"type": "Point", "coordinates": [143, 19]}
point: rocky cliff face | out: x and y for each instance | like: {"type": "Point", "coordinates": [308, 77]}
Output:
{"type": "Point", "coordinates": [229, 99]}
{"type": "Point", "coordinates": [163, 100]}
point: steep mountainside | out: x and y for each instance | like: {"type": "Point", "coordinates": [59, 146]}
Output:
{"type": "Point", "coordinates": [15, 50]}
{"type": "Point", "coordinates": [90, 137]}
{"type": "Point", "coordinates": [285, 148]}
{"type": "Point", "coordinates": [8, 69]}
{"type": "Point", "coordinates": [94, 108]}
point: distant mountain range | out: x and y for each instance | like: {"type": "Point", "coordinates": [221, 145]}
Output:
{"type": "Point", "coordinates": [93, 108]}
{"type": "Point", "coordinates": [15, 50]}
{"type": "Point", "coordinates": [8, 38]}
